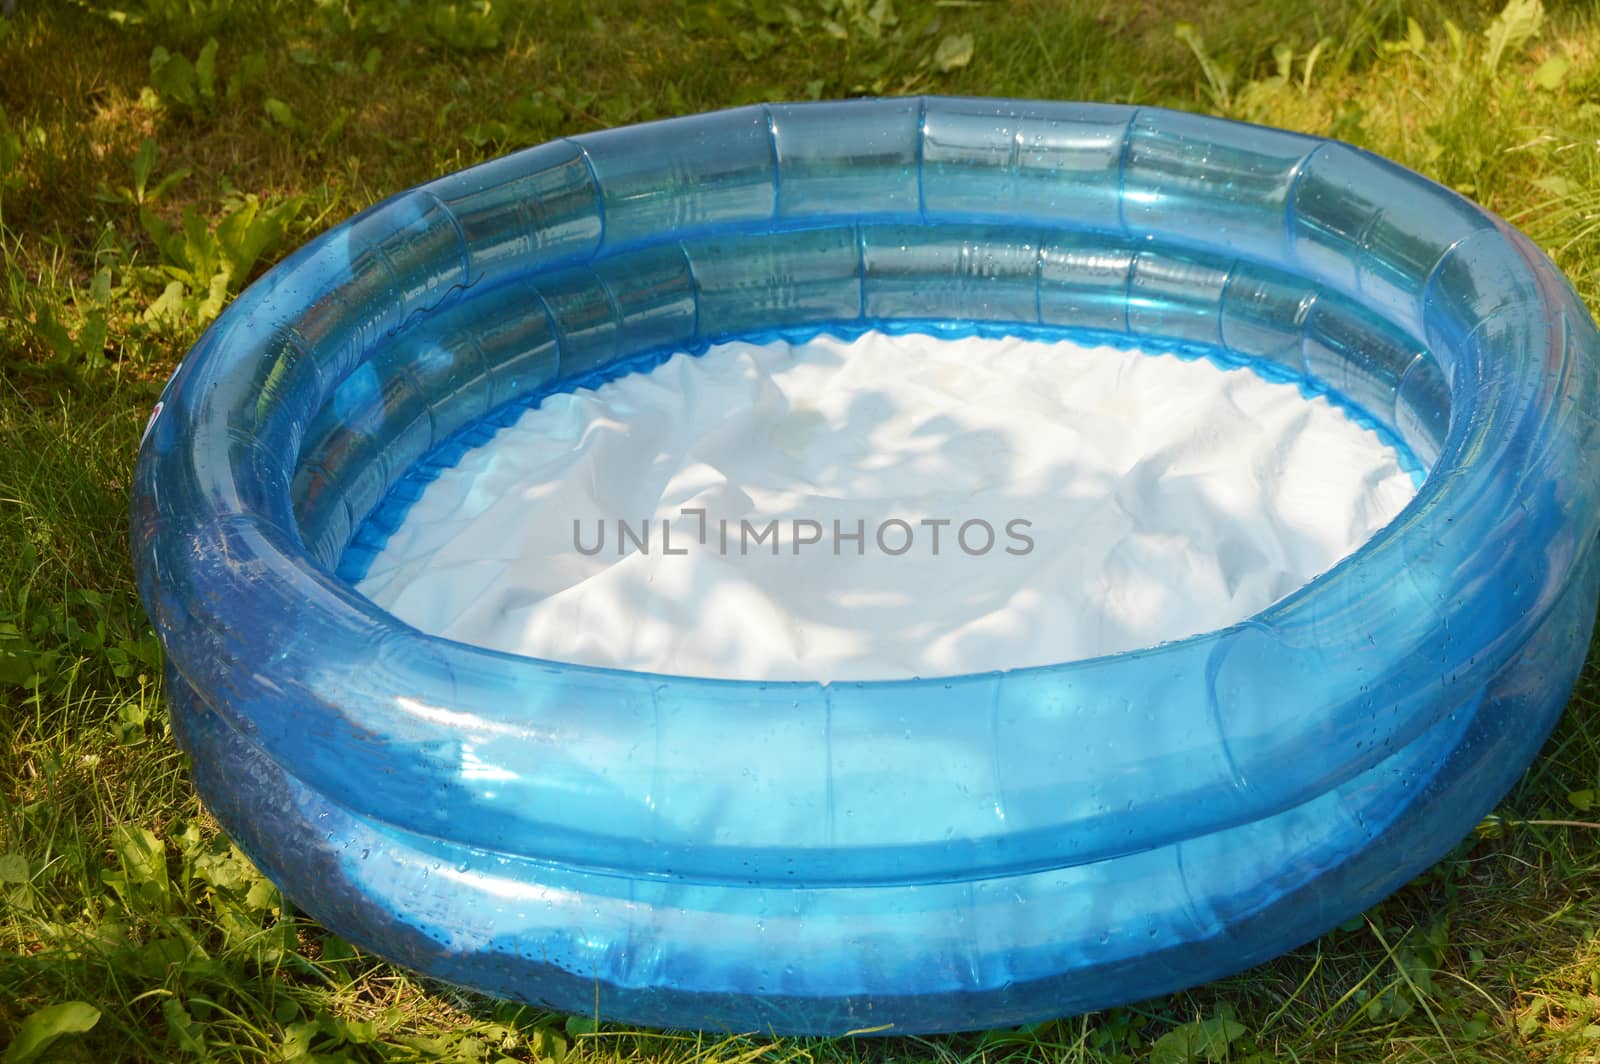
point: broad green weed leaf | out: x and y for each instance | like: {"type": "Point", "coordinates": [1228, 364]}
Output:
{"type": "Point", "coordinates": [173, 78]}
{"type": "Point", "coordinates": [1517, 24]}
{"type": "Point", "coordinates": [1458, 41]}
{"type": "Point", "coordinates": [359, 1032]}
{"type": "Point", "coordinates": [1200, 1042]}
{"type": "Point", "coordinates": [202, 254]}
{"type": "Point", "coordinates": [168, 308]}
{"type": "Point", "coordinates": [167, 182]}
{"type": "Point", "coordinates": [41, 1029]}
{"type": "Point", "coordinates": [92, 337]}
{"type": "Point", "coordinates": [54, 334]}
{"type": "Point", "coordinates": [144, 160]}
{"type": "Point", "coordinates": [297, 1038]}
{"type": "Point", "coordinates": [216, 297]}
{"type": "Point", "coordinates": [336, 950]}
{"type": "Point", "coordinates": [167, 242]}
{"type": "Point", "coordinates": [1415, 41]}
{"type": "Point", "coordinates": [546, 1044]}
{"type": "Point", "coordinates": [237, 239]}
{"type": "Point", "coordinates": [100, 287]}
{"type": "Point", "coordinates": [954, 52]}
{"type": "Point", "coordinates": [131, 720]}
{"type": "Point", "coordinates": [13, 868]}
{"type": "Point", "coordinates": [227, 871]}
{"type": "Point", "coordinates": [280, 113]}
{"type": "Point", "coordinates": [142, 882]}
{"type": "Point", "coordinates": [1552, 72]}
{"type": "Point", "coordinates": [262, 896]}
{"type": "Point", "coordinates": [250, 232]}
{"type": "Point", "coordinates": [205, 71]}
{"type": "Point", "coordinates": [186, 1030]}
{"type": "Point", "coordinates": [1283, 59]}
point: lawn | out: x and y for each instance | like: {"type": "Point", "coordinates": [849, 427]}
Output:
{"type": "Point", "coordinates": [156, 155]}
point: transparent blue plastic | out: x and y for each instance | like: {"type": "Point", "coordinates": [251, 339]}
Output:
{"type": "Point", "coordinates": [928, 855]}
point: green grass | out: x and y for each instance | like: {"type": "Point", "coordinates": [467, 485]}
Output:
{"type": "Point", "coordinates": [139, 189]}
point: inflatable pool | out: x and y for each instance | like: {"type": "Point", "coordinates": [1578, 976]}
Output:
{"type": "Point", "coordinates": [910, 855]}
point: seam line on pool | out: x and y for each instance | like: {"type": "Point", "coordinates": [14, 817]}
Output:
{"type": "Point", "coordinates": [1122, 172]}
{"type": "Point", "coordinates": [922, 141]}
{"type": "Point", "coordinates": [599, 194]}
{"type": "Point", "coordinates": [777, 167]}
{"type": "Point", "coordinates": [694, 287]}
{"type": "Point", "coordinates": [1433, 272]}
{"type": "Point", "coordinates": [1292, 198]}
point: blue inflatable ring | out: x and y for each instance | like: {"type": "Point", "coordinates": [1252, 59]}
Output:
{"type": "Point", "coordinates": [906, 856]}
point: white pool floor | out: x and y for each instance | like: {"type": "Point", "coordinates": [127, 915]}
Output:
{"type": "Point", "coordinates": [889, 507]}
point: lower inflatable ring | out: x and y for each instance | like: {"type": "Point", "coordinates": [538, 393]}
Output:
{"type": "Point", "coordinates": [908, 856]}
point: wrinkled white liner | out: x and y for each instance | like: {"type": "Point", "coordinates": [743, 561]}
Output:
{"type": "Point", "coordinates": [1163, 498]}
